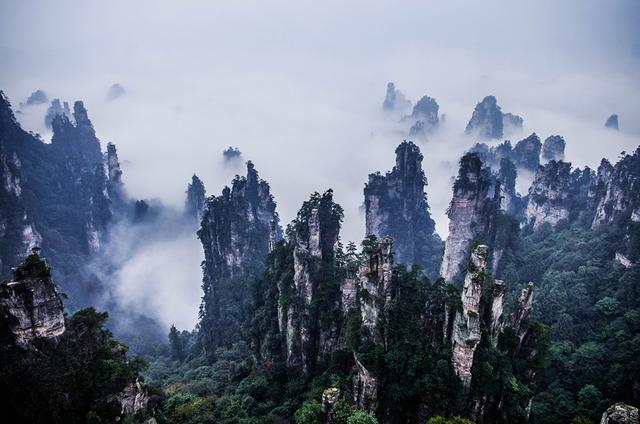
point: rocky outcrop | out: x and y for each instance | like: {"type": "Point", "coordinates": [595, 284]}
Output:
{"type": "Point", "coordinates": [30, 305]}
{"type": "Point", "coordinates": [394, 100]}
{"type": "Point", "coordinates": [496, 309]}
{"type": "Point", "coordinates": [68, 179]}
{"type": "Point", "coordinates": [115, 186]}
{"type": "Point", "coordinates": [526, 153]}
{"type": "Point", "coordinates": [365, 388]}
{"type": "Point", "coordinates": [196, 196]}
{"type": "Point", "coordinates": [488, 121]}
{"type": "Point", "coordinates": [506, 182]}
{"type": "Point", "coordinates": [375, 275]}
{"type": "Point", "coordinates": [549, 194]}
{"type": "Point", "coordinates": [36, 98]}
{"type": "Point", "coordinates": [57, 109]}
{"type": "Point", "coordinates": [314, 236]}
{"type": "Point", "coordinates": [621, 413]}
{"type": "Point", "coordinates": [238, 230]}
{"type": "Point", "coordinates": [618, 189]}
{"type": "Point", "coordinates": [425, 115]}
{"type": "Point", "coordinates": [553, 148]}
{"type": "Point", "coordinates": [396, 205]}
{"type": "Point", "coordinates": [520, 317]}
{"type": "Point", "coordinates": [232, 154]}
{"type": "Point", "coordinates": [133, 399]}
{"type": "Point", "coordinates": [612, 122]}
{"type": "Point", "coordinates": [465, 335]}
{"type": "Point", "coordinates": [467, 213]}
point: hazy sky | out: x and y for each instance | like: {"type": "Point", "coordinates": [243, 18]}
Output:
{"type": "Point", "coordinates": [298, 87]}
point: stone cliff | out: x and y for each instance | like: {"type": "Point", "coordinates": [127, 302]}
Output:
{"type": "Point", "coordinates": [310, 318]}
{"type": "Point", "coordinates": [30, 305]}
{"type": "Point", "coordinates": [67, 178]}
{"type": "Point", "coordinates": [465, 334]}
{"type": "Point", "coordinates": [467, 218]}
{"type": "Point", "coordinates": [549, 195]}
{"type": "Point", "coordinates": [396, 205]}
{"type": "Point", "coordinates": [238, 230]}
{"type": "Point", "coordinates": [488, 121]}
{"type": "Point", "coordinates": [195, 201]}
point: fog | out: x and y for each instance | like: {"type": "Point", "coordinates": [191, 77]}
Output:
{"type": "Point", "coordinates": [298, 87]}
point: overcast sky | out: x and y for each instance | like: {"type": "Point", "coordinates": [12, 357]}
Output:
{"type": "Point", "coordinates": [297, 86]}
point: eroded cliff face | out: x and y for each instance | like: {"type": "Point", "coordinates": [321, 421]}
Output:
{"type": "Point", "coordinates": [489, 122]}
{"type": "Point", "coordinates": [396, 205]}
{"type": "Point", "coordinates": [425, 116]}
{"type": "Point", "coordinates": [238, 230]}
{"type": "Point", "coordinates": [620, 189]}
{"type": "Point", "coordinates": [56, 195]}
{"type": "Point", "coordinates": [621, 413]}
{"type": "Point", "coordinates": [466, 213]}
{"type": "Point", "coordinates": [310, 309]}
{"type": "Point", "coordinates": [549, 195]}
{"type": "Point", "coordinates": [30, 304]}
{"type": "Point", "coordinates": [394, 100]}
{"type": "Point", "coordinates": [196, 196]}
{"type": "Point", "coordinates": [465, 334]}
{"type": "Point", "coordinates": [553, 148]}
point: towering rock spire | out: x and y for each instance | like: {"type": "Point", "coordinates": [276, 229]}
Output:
{"type": "Point", "coordinates": [612, 122]}
{"type": "Point", "coordinates": [314, 235]}
{"type": "Point", "coordinates": [548, 194]}
{"type": "Point", "coordinates": [115, 186]}
{"type": "Point", "coordinates": [396, 205]}
{"type": "Point", "coordinates": [425, 114]}
{"type": "Point", "coordinates": [467, 214]}
{"type": "Point", "coordinates": [194, 204]}
{"type": "Point", "coordinates": [30, 305]}
{"type": "Point", "coordinates": [466, 325]}
{"type": "Point", "coordinates": [553, 148]}
{"type": "Point", "coordinates": [620, 189]}
{"type": "Point", "coordinates": [526, 153]}
{"type": "Point", "coordinates": [489, 122]}
{"type": "Point", "coordinates": [238, 230]}
{"type": "Point", "coordinates": [56, 109]}
{"type": "Point", "coordinates": [394, 100]}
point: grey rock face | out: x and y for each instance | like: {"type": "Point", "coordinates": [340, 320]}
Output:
{"type": "Point", "coordinates": [365, 388]}
{"type": "Point", "coordinates": [523, 310]}
{"type": "Point", "coordinates": [395, 100]}
{"type": "Point", "coordinates": [466, 325]}
{"type": "Point", "coordinates": [488, 121]}
{"type": "Point", "coordinates": [470, 194]}
{"type": "Point", "coordinates": [375, 275]}
{"type": "Point", "coordinates": [619, 189]}
{"type": "Point", "coordinates": [396, 206]}
{"type": "Point", "coordinates": [133, 399]}
{"type": "Point", "coordinates": [496, 309]}
{"type": "Point", "coordinates": [549, 194]}
{"type": "Point", "coordinates": [553, 148]}
{"type": "Point", "coordinates": [526, 153]}
{"type": "Point", "coordinates": [315, 237]}
{"type": "Point", "coordinates": [620, 413]}
{"type": "Point", "coordinates": [506, 178]}
{"type": "Point", "coordinates": [36, 98]}
{"type": "Point", "coordinates": [30, 304]}
{"type": "Point", "coordinates": [196, 196]}
{"type": "Point", "coordinates": [425, 114]}
{"type": "Point", "coordinates": [612, 122]}
{"type": "Point", "coordinates": [115, 186]}
{"type": "Point", "coordinates": [116, 91]}
{"type": "Point", "coordinates": [238, 230]}
{"type": "Point", "coordinates": [57, 109]}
